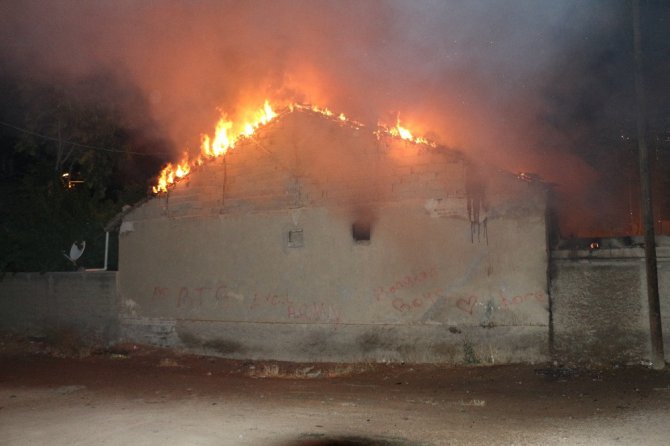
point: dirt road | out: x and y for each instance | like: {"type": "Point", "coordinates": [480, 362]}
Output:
{"type": "Point", "coordinates": [147, 397]}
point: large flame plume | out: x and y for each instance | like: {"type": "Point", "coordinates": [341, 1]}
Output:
{"type": "Point", "coordinates": [227, 134]}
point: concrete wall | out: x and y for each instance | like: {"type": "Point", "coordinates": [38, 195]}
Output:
{"type": "Point", "coordinates": [80, 303]}
{"type": "Point", "coordinates": [599, 303]}
{"type": "Point", "coordinates": [254, 257]}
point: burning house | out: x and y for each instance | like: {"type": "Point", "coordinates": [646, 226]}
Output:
{"type": "Point", "coordinates": [316, 238]}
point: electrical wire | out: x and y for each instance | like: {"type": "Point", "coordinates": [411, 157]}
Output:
{"type": "Point", "coordinates": [83, 146]}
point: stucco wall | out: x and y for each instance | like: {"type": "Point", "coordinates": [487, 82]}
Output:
{"type": "Point", "coordinates": [255, 258]}
{"type": "Point", "coordinates": [80, 303]}
{"type": "Point", "coordinates": [600, 310]}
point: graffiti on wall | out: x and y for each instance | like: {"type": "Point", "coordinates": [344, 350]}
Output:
{"type": "Point", "coordinates": [189, 297]}
{"type": "Point", "coordinates": [220, 297]}
{"type": "Point", "coordinates": [420, 295]}
{"type": "Point", "coordinates": [416, 293]}
{"type": "Point", "coordinates": [404, 283]}
{"type": "Point", "coordinates": [401, 292]}
{"type": "Point", "coordinates": [467, 304]}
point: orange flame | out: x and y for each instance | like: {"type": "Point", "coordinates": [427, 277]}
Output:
{"type": "Point", "coordinates": [402, 132]}
{"type": "Point", "coordinates": [342, 118]}
{"type": "Point", "coordinates": [399, 131]}
{"type": "Point", "coordinates": [225, 137]}
{"type": "Point", "coordinates": [227, 134]}
{"type": "Point", "coordinates": [170, 174]}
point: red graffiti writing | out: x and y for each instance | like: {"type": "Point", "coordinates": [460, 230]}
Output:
{"type": "Point", "coordinates": [467, 304]}
{"type": "Point", "coordinates": [404, 283]}
{"type": "Point", "coordinates": [190, 299]}
{"type": "Point", "coordinates": [314, 312]}
{"type": "Point", "coordinates": [159, 292]}
{"type": "Point", "coordinates": [269, 299]}
{"type": "Point", "coordinates": [403, 305]}
{"type": "Point", "coordinates": [221, 296]}
{"type": "Point", "coordinates": [537, 296]}
{"type": "Point", "coordinates": [192, 296]}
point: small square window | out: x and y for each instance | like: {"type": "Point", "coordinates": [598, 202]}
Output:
{"type": "Point", "coordinates": [295, 238]}
{"type": "Point", "coordinates": [360, 231]}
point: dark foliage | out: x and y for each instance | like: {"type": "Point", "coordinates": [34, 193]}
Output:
{"type": "Point", "coordinates": [68, 164]}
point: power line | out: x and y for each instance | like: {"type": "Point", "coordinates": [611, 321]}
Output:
{"type": "Point", "coordinates": [76, 144]}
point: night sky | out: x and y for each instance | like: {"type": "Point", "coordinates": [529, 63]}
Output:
{"type": "Point", "coordinates": [534, 86]}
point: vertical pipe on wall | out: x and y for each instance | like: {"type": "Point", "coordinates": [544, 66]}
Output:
{"type": "Point", "coordinates": [106, 249]}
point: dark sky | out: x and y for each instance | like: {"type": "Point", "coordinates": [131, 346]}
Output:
{"type": "Point", "coordinates": [530, 85]}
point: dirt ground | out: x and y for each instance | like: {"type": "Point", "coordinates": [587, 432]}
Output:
{"type": "Point", "coordinates": [141, 396]}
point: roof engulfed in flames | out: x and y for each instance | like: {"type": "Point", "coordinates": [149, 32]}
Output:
{"type": "Point", "coordinates": [227, 134]}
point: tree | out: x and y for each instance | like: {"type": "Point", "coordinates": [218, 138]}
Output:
{"type": "Point", "coordinates": [68, 166]}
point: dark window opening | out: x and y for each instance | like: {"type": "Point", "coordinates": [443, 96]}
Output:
{"type": "Point", "coordinates": [361, 231]}
{"type": "Point", "coordinates": [295, 238]}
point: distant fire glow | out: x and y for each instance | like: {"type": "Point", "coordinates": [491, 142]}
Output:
{"type": "Point", "coordinates": [228, 133]}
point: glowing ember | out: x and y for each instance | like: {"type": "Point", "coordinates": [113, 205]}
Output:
{"type": "Point", "coordinates": [528, 177]}
{"type": "Point", "coordinates": [314, 108]}
{"type": "Point", "coordinates": [325, 112]}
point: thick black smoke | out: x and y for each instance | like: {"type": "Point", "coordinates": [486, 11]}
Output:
{"type": "Point", "coordinates": [501, 80]}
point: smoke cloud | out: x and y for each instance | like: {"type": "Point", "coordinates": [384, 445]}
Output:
{"type": "Point", "coordinates": [483, 76]}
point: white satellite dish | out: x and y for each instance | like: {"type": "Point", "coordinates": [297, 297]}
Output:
{"type": "Point", "coordinates": [75, 252]}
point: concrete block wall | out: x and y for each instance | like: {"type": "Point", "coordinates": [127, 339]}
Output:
{"type": "Point", "coordinates": [210, 267]}
{"type": "Point", "coordinates": [331, 163]}
{"type": "Point", "coordinates": [599, 305]}
{"type": "Point", "coordinates": [420, 290]}
{"type": "Point", "coordinates": [79, 303]}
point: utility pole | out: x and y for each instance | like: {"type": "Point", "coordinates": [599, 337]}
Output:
{"type": "Point", "coordinates": [655, 326]}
